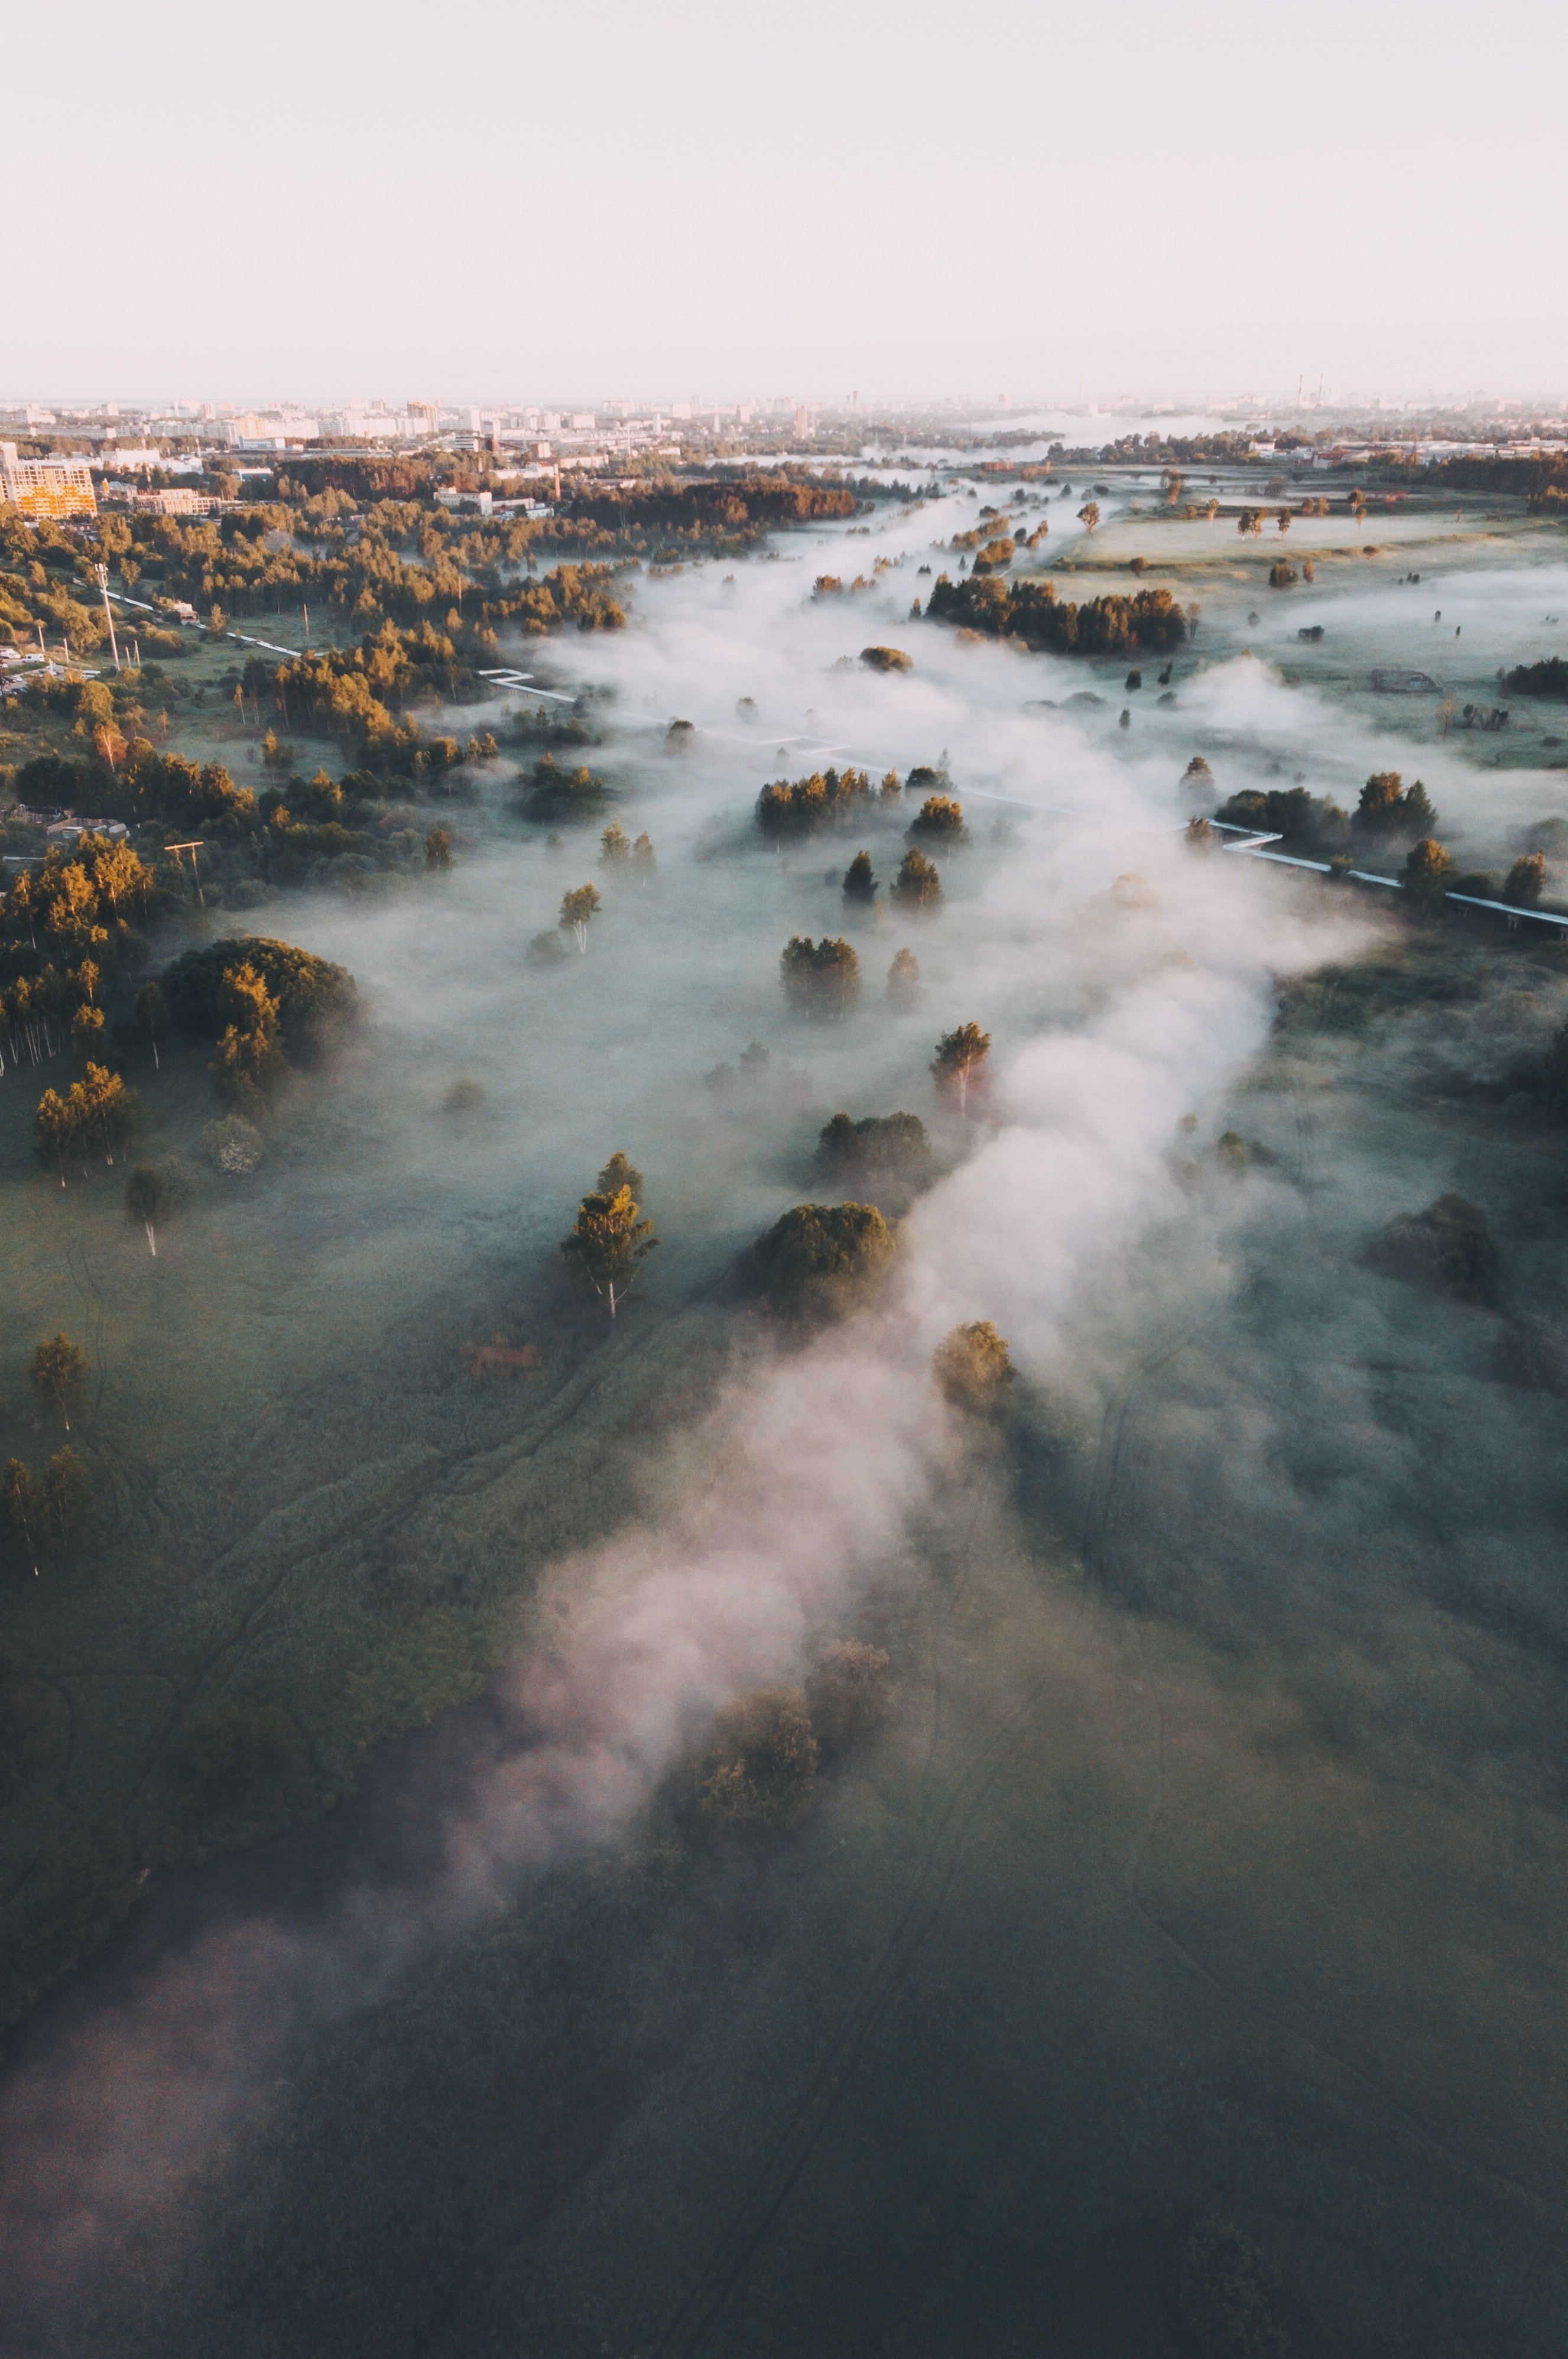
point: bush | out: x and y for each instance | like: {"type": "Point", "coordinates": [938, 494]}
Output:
{"type": "Point", "coordinates": [822, 1259]}
{"type": "Point", "coordinates": [888, 659]}
{"type": "Point", "coordinates": [762, 1763]}
{"type": "Point", "coordinates": [545, 949]}
{"type": "Point", "coordinates": [233, 1146]}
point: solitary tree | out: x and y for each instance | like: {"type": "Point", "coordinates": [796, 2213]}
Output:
{"type": "Point", "coordinates": [960, 1060]}
{"type": "Point", "coordinates": [608, 1243]}
{"type": "Point", "coordinates": [148, 1199]}
{"type": "Point", "coordinates": [859, 884]}
{"type": "Point", "coordinates": [939, 815]}
{"type": "Point", "coordinates": [578, 910]}
{"type": "Point", "coordinates": [59, 1370]}
{"type": "Point", "coordinates": [643, 860]}
{"type": "Point", "coordinates": [437, 851]}
{"type": "Point", "coordinates": [1526, 878]}
{"type": "Point", "coordinates": [1089, 517]}
{"type": "Point", "coordinates": [150, 1012]}
{"type": "Point", "coordinates": [904, 979]}
{"type": "Point", "coordinates": [918, 885]}
{"type": "Point", "coordinates": [1197, 775]}
{"type": "Point", "coordinates": [822, 1259]}
{"type": "Point", "coordinates": [973, 1368]}
{"type": "Point", "coordinates": [54, 1133]}
{"type": "Point", "coordinates": [614, 846]}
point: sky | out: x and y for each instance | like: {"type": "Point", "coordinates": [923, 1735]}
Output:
{"type": "Point", "coordinates": [491, 203]}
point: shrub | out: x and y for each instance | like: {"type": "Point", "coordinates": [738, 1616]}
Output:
{"type": "Point", "coordinates": [233, 1146]}
{"type": "Point", "coordinates": [887, 659]}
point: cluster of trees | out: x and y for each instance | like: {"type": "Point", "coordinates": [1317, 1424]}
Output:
{"type": "Point", "coordinates": [820, 979]}
{"type": "Point", "coordinates": [1548, 677]}
{"type": "Point", "coordinates": [314, 1000]}
{"type": "Point", "coordinates": [554, 793]}
{"type": "Point", "coordinates": [759, 1768]}
{"type": "Point", "coordinates": [820, 1261]}
{"type": "Point", "coordinates": [802, 807]}
{"type": "Point", "coordinates": [97, 1116]}
{"type": "Point", "coordinates": [65, 933]}
{"type": "Point", "coordinates": [609, 1240]}
{"type": "Point", "coordinates": [43, 1517]}
{"type": "Point", "coordinates": [618, 851]}
{"type": "Point", "coordinates": [1029, 610]}
{"type": "Point", "coordinates": [879, 1147]}
{"type": "Point", "coordinates": [1450, 1244]}
{"type": "Point", "coordinates": [1388, 812]}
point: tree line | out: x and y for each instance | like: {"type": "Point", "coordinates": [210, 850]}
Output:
{"type": "Point", "coordinates": [1030, 610]}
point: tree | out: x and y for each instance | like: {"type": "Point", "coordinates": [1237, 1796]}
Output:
{"type": "Point", "coordinates": [904, 979]}
{"type": "Point", "coordinates": [918, 885]}
{"type": "Point", "coordinates": [887, 659]}
{"type": "Point", "coordinates": [1089, 517]}
{"type": "Point", "coordinates": [973, 1368]}
{"type": "Point", "coordinates": [859, 884]}
{"type": "Point", "coordinates": [250, 1061]}
{"type": "Point", "coordinates": [618, 1174]}
{"type": "Point", "coordinates": [66, 1500]}
{"type": "Point", "coordinates": [821, 1260]}
{"type": "Point", "coordinates": [1388, 807]}
{"type": "Point", "coordinates": [643, 860]}
{"type": "Point", "coordinates": [104, 1114]}
{"type": "Point", "coordinates": [578, 909]}
{"type": "Point", "coordinates": [437, 851]}
{"type": "Point", "coordinates": [1526, 878]}
{"type": "Point", "coordinates": [761, 1764]}
{"type": "Point", "coordinates": [233, 1146]}
{"type": "Point", "coordinates": [608, 1241]}
{"type": "Point", "coordinates": [150, 1012]}
{"type": "Point", "coordinates": [1281, 576]}
{"type": "Point", "coordinates": [87, 1032]}
{"type": "Point", "coordinates": [1197, 774]}
{"type": "Point", "coordinates": [149, 1199]}
{"type": "Point", "coordinates": [59, 1370]}
{"type": "Point", "coordinates": [614, 846]}
{"type": "Point", "coordinates": [939, 815]}
{"type": "Point", "coordinates": [820, 979]}
{"type": "Point", "coordinates": [1428, 870]}
{"type": "Point", "coordinates": [545, 949]}
{"type": "Point", "coordinates": [54, 1133]}
{"type": "Point", "coordinates": [960, 1059]}
{"type": "Point", "coordinates": [23, 1510]}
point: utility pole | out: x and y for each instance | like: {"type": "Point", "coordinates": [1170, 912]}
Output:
{"type": "Point", "coordinates": [102, 573]}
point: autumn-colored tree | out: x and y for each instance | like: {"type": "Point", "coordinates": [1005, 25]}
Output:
{"type": "Point", "coordinates": [1525, 881]}
{"type": "Point", "coordinates": [1428, 870]}
{"type": "Point", "coordinates": [762, 1760]}
{"type": "Point", "coordinates": [940, 816]}
{"type": "Point", "coordinates": [608, 1243]}
{"type": "Point", "coordinates": [250, 1062]}
{"type": "Point", "coordinates": [918, 885]}
{"type": "Point", "coordinates": [614, 846]}
{"type": "Point", "coordinates": [619, 1173]}
{"type": "Point", "coordinates": [821, 1260]}
{"type": "Point", "coordinates": [973, 1368]}
{"type": "Point", "coordinates": [54, 1133]}
{"type": "Point", "coordinates": [643, 860]}
{"type": "Point", "coordinates": [59, 1370]}
{"type": "Point", "coordinates": [578, 910]}
{"type": "Point", "coordinates": [960, 1062]}
{"type": "Point", "coordinates": [1089, 517]}
{"type": "Point", "coordinates": [437, 851]}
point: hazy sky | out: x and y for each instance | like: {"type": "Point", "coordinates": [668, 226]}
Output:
{"type": "Point", "coordinates": [334, 200]}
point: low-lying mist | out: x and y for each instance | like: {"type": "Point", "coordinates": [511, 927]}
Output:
{"type": "Point", "coordinates": [1208, 1435]}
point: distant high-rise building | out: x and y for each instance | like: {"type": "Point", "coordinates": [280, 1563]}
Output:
{"type": "Point", "coordinates": [802, 421]}
{"type": "Point", "coordinates": [52, 488]}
